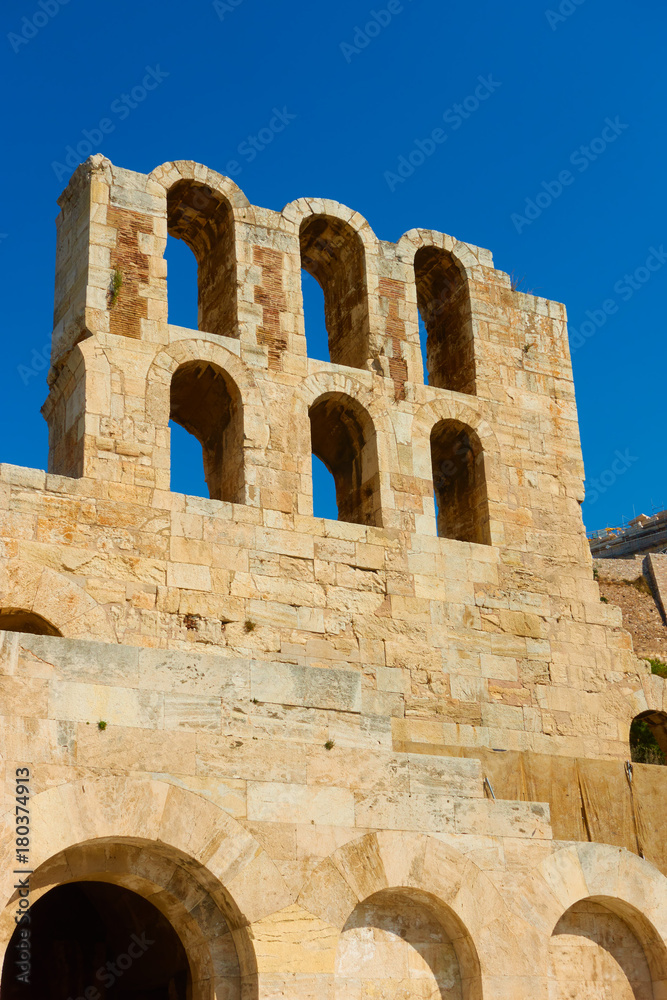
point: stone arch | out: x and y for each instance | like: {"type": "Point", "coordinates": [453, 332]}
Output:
{"type": "Point", "coordinates": [83, 373]}
{"type": "Point", "coordinates": [344, 386]}
{"type": "Point", "coordinates": [611, 877]}
{"type": "Point", "coordinates": [441, 269]}
{"type": "Point", "coordinates": [191, 859]}
{"type": "Point", "coordinates": [20, 620]}
{"type": "Point", "coordinates": [335, 246]}
{"type": "Point", "coordinates": [206, 402]}
{"type": "Point", "coordinates": [459, 483]}
{"type": "Point", "coordinates": [53, 597]}
{"type": "Point", "coordinates": [167, 174]}
{"type": "Point", "coordinates": [250, 429]}
{"type": "Point", "coordinates": [466, 255]}
{"type": "Point", "coordinates": [594, 949]}
{"type": "Point", "coordinates": [449, 410]}
{"type": "Point", "coordinates": [648, 738]}
{"type": "Point", "coordinates": [344, 439]}
{"type": "Point", "coordinates": [397, 941]}
{"type": "Point", "coordinates": [457, 892]}
{"type": "Point", "coordinates": [648, 701]}
{"type": "Point", "coordinates": [200, 210]}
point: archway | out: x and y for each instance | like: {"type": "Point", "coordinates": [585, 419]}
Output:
{"type": "Point", "coordinates": [595, 953]}
{"type": "Point", "coordinates": [207, 403]}
{"type": "Point", "coordinates": [393, 946]}
{"type": "Point", "coordinates": [343, 438]}
{"type": "Point", "coordinates": [333, 253]}
{"type": "Point", "coordinates": [204, 220]}
{"type": "Point", "coordinates": [443, 300]}
{"type": "Point", "coordinates": [648, 738]}
{"type": "Point", "coordinates": [99, 941]}
{"type": "Point", "coordinates": [459, 483]}
{"type": "Point", "coordinates": [20, 620]}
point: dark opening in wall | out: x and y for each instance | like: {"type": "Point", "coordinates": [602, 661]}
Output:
{"type": "Point", "coordinates": [333, 253]}
{"type": "Point", "coordinates": [203, 219]}
{"type": "Point", "coordinates": [343, 437]}
{"type": "Point", "coordinates": [459, 483]}
{"type": "Point", "coordinates": [648, 738]}
{"type": "Point", "coordinates": [444, 305]}
{"type": "Point", "coordinates": [18, 620]}
{"type": "Point", "coordinates": [207, 403]}
{"type": "Point", "coordinates": [96, 939]}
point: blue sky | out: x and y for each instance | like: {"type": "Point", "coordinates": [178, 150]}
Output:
{"type": "Point", "coordinates": [355, 102]}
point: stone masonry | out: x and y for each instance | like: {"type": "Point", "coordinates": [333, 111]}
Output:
{"type": "Point", "coordinates": [367, 759]}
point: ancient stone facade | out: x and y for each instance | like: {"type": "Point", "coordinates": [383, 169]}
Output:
{"type": "Point", "coordinates": [372, 758]}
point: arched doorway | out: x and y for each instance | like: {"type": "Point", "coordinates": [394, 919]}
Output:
{"type": "Point", "coordinates": [395, 945]}
{"type": "Point", "coordinates": [99, 941]}
{"type": "Point", "coordinates": [595, 953]}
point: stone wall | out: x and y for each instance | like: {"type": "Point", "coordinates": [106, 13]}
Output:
{"type": "Point", "coordinates": [283, 730]}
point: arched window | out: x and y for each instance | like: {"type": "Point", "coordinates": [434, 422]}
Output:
{"type": "Point", "coordinates": [459, 483]}
{"type": "Point", "coordinates": [333, 253]}
{"type": "Point", "coordinates": [443, 299]}
{"type": "Point", "coordinates": [648, 738]}
{"type": "Point", "coordinates": [18, 620]}
{"type": "Point", "coordinates": [183, 308]}
{"type": "Point", "coordinates": [207, 403]}
{"type": "Point", "coordinates": [343, 437]}
{"type": "Point", "coordinates": [203, 219]}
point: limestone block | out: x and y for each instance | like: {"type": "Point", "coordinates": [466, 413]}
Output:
{"type": "Point", "coordinates": [293, 685]}
{"type": "Point", "coordinates": [248, 758]}
{"type": "Point", "coordinates": [288, 803]}
{"type": "Point", "coordinates": [74, 702]}
{"type": "Point", "coordinates": [144, 750]}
